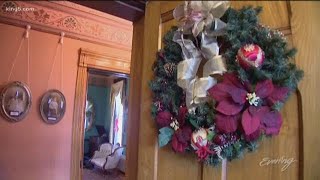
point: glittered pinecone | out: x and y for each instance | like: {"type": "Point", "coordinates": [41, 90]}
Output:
{"type": "Point", "coordinates": [159, 105]}
{"type": "Point", "coordinates": [169, 68]}
{"type": "Point", "coordinates": [219, 139]}
{"type": "Point", "coordinates": [272, 33]}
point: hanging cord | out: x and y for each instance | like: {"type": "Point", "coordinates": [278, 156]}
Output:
{"type": "Point", "coordinates": [28, 56]}
{"type": "Point", "coordinates": [54, 60]}
{"type": "Point", "coordinates": [52, 67]}
{"type": "Point", "coordinates": [61, 61]}
{"type": "Point", "coordinates": [26, 36]}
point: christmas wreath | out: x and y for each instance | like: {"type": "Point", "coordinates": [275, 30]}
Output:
{"type": "Point", "coordinates": [220, 81]}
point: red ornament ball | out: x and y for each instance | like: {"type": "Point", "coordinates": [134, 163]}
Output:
{"type": "Point", "coordinates": [250, 55]}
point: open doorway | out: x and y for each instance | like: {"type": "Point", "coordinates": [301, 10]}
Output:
{"type": "Point", "coordinates": [105, 125]}
{"type": "Point", "coordinates": [123, 58]}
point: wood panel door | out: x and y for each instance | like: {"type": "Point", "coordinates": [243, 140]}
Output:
{"type": "Point", "coordinates": [164, 164]}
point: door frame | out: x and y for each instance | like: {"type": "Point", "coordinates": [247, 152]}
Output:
{"type": "Point", "coordinates": [88, 60]}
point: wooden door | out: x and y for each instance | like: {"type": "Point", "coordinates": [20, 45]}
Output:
{"type": "Point", "coordinates": [299, 113]}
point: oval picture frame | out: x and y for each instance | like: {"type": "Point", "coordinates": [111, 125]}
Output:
{"type": "Point", "coordinates": [15, 101]}
{"type": "Point", "coordinates": [52, 106]}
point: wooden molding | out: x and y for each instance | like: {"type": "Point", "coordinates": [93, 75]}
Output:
{"type": "Point", "coordinates": [167, 16]}
{"type": "Point", "coordinates": [148, 144]}
{"type": "Point", "coordinates": [104, 62]}
{"type": "Point", "coordinates": [134, 104]}
{"type": "Point", "coordinates": [76, 21]}
{"type": "Point", "coordinates": [77, 123]}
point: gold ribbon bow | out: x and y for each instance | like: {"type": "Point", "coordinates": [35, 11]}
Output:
{"type": "Point", "coordinates": [196, 18]}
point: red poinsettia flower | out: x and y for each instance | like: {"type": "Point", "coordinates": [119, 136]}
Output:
{"type": "Point", "coordinates": [182, 136]}
{"type": "Point", "coordinates": [237, 100]}
{"type": "Point", "coordinates": [181, 139]}
{"type": "Point", "coordinates": [183, 111]}
{"type": "Point", "coordinates": [164, 119]}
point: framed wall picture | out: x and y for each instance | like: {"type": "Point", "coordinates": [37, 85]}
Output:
{"type": "Point", "coordinates": [52, 106]}
{"type": "Point", "coordinates": [15, 101]}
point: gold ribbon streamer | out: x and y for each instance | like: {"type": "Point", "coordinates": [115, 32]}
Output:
{"type": "Point", "coordinates": [196, 18]}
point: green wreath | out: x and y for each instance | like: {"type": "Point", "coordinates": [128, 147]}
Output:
{"type": "Point", "coordinates": [247, 77]}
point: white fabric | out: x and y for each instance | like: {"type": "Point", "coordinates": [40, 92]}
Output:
{"type": "Point", "coordinates": [116, 146]}
{"type": "Point", "coordinates": [107, 148]}
{"type": "Point", "coordinates": [98, 154]}
{"type": "Point", "coordinates": [99, 161]}
{"type": "Point", "coordinates": [113, 159]}
{"type": "Point", "coordinates": [99, 157]}
{"type": "Point", "coordinates": [116, 89]}
{"type": "Point", "coordinates": [122, 164]}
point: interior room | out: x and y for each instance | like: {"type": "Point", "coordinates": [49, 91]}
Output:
{"type": "Point", "coordinates": [159, 90]}
{"type": "Point", "coordinates": [105, 125]}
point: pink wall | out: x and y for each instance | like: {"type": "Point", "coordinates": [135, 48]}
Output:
{"type": "Point", "coordinates": [31, 149]}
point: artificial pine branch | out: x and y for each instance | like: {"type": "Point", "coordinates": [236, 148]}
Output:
{"type": "Point", "coordinates": [243, 28]}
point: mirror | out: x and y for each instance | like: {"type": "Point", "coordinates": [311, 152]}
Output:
{"type": "Point", "coordinates": [89, 119]}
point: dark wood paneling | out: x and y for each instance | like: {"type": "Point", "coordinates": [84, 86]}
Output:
{"type": "Point", "coordinates": [129, 10]}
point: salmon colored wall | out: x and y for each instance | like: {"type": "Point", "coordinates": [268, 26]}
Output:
{"type": "Point", "coordinates": [31, 149]}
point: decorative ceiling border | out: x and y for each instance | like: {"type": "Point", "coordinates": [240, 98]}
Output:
{"type": "Point", "coordinates": [76, 21]}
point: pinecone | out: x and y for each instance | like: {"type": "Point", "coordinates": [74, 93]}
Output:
{"type": "Point", "coordinates": [272, 32]}
{"type": "Point", "coordinates": [159, 105]}
{"type": "Point", "coordinates": [169, 68]}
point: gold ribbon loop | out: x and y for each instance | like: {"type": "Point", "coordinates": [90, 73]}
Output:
{"type": "Point", "coordinates": [218, 8]}
{"type": "Point", "coordinates": [216, 65]}
{"type": "Point", "coordinates": [209, 46]}
{"type": "Point", "coordinates": [196, 17]}
{"type": "Point", "coordinates": [189, 50]}
{"type": "Point", "coordinates": [179, 13]}
{"type": "Point", "coordinates": [219, 29]}
{"type": "Point", "coordinates": [196, 92]}
{"type": "Point", "coordinates": [187, 71]}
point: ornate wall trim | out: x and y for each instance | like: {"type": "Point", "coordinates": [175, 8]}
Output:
{"type": "Point", "coordinates": [76, 21]}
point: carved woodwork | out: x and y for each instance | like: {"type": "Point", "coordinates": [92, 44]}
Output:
{"type": "Point", "coordinates": [76, 21]}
